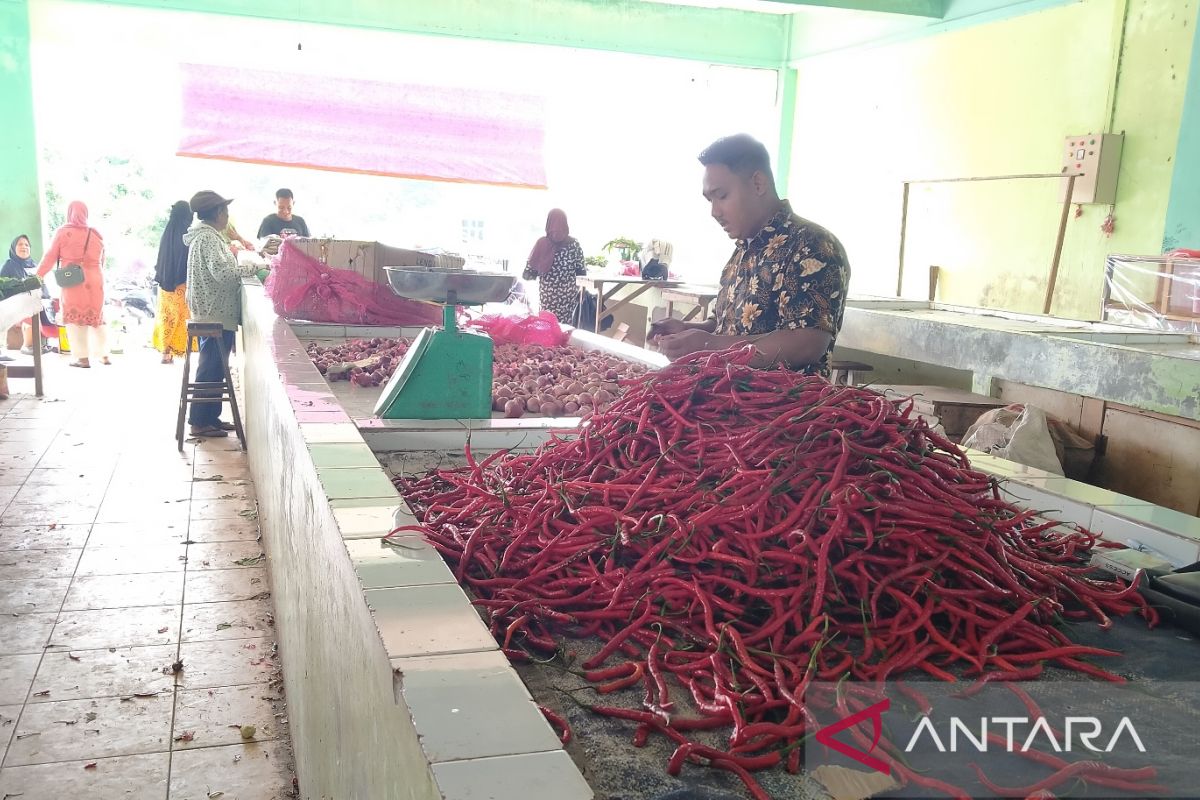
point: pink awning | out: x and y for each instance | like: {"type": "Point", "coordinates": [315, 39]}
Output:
{"type": "Point", "coordinates": [372, 127]}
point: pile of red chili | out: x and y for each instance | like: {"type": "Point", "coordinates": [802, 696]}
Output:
{"type": "Point", "coordinates": [734, 534]}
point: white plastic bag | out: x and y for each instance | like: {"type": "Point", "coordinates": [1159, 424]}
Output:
{"type": "Point", "coordinates": [1017, 433]}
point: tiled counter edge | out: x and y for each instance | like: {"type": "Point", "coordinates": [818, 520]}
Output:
{"type": "Point", "coordinates": [395, 688]}
{"type": "Point", "coordinates": [1117, 517]}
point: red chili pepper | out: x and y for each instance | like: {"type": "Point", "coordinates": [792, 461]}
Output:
{"type": "Point", "coordinates": [558, 722]}
{"type": "Point", "coordinates": [1084, 770]}
{"type": "Point", "coordinates": [743, 533]}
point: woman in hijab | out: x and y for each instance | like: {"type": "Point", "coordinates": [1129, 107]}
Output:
{"type": "Point", "coordinates": [83, 304]}
{"type": "Point", "coordinates": [554, 262]}
{"type": "Point", "coordinates": [170, 272]}
{"type": "Point", "coordinates": [19, 266]}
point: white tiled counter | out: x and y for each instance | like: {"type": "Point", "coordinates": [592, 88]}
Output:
{"type": "Point", "coordinates": [395, 687]}
{"type": "Point", "coordinates": [1116, 517]}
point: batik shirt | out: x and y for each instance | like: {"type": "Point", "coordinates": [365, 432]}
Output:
{"type": "Point", "coordinates": [791, 275]}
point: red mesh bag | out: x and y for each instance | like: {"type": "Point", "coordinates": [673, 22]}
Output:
{"type": "Point", "coordinates": [301, 287]}
{"type": "Point", "coordinates": [542, 329]}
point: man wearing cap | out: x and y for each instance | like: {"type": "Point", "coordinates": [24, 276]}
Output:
{"type": "Point", "coordinates": [214, 294]}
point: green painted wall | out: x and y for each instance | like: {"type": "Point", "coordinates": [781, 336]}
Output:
{"type": "Point", "coordinates": [20, 209]}
{"type": "Point", "coordinates": [1183, 212]}
{"type": "Point", "coordinates": [721, 36]}
{"type": "Point", "coordinates": [817, 29]}
{"type": "Point", "coordinates": [990, 100]}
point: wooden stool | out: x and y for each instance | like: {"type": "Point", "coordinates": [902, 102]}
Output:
{"type": "Point", "coordinates": [842, 372]}
{"type": "Point", "coordinates": [187, 394]}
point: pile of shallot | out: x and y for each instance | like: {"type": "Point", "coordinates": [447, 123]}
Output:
{"type": "Point", "coordinates": [527, 379]}
{"type": "Point", "coordinates": [555, 381]}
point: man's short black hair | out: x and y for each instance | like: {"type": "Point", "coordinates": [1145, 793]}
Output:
{"type": "Point", "coordinates": [282, 193]}
{"type": "Point", "coordinates": [209, 214]}
{"type": "Point", "coordinates": [742, 153]}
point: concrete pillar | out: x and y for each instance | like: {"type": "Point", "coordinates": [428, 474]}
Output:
{"type": "Point", "coordinates": [20, 204]}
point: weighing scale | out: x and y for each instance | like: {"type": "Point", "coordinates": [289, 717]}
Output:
{"type": "Point", "coordinates": [447, 372]}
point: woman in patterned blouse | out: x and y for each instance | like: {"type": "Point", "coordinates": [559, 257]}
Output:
{"type": "Point", "coordinates": [783, 289]}
{"type": "Point", "coordinates": [554, 262]}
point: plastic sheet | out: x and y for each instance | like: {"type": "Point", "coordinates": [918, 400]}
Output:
{"type": "Point", "coordinates": [302, 288]}
{"type": "Point", "coordinates": [1154, 292]}
{"type": "Point", "coordinates": [1016, 433]}
{"type": "Point", "coordinates": [542, 329]}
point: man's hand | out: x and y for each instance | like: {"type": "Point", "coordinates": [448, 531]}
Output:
{"type": "Point", "coordinates": [677, 345]}
{"type": "Point", "coordinates": [667, 327]}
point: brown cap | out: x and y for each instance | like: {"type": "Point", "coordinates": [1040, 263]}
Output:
{"type": "Point", "coordinates": [206, 199]}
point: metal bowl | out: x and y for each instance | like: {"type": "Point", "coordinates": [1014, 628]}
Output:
{"type": "Point", "coordinates": [458, 286]}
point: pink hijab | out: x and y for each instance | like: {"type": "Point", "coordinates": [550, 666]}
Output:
{"type": "Point", "coordinates": [541, 258]}
{"type": "Point", "coordinates": [77, 215]}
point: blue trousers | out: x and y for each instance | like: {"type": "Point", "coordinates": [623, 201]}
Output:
{"type": "Point", "coordinates": [209, 369]}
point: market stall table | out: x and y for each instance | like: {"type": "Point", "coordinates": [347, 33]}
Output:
{"type": "Point", "coordinates": [698, 296]}
{"type": "Point", "coordinates": [638, 287]}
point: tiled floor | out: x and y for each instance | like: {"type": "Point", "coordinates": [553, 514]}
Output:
{"type": "Point", "coordinates": [136, 640]}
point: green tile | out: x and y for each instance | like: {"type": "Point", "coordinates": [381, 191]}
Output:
{"type": "Point", "coordinates": [406, 561]}
{"type": "Point", "coordinates": [327, 456]}
{"type": "Point", "coordinates": [456, 700]}
{"type": "Point", "coordinates": [353, 483]}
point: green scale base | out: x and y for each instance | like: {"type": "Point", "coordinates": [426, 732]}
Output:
{"type": "Point", "coordinates": [446, 374]}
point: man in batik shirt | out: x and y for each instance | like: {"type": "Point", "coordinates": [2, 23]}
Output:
{"type": "Point", "coordinates": [784, 288]}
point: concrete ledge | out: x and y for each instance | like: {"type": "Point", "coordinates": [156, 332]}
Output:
{"type": "Point", "coordinates": [1114, 516]}
{"type": "Point", "coordinates": [395, 687]}
{"type": "Point", "coordinates": [1047, 353]}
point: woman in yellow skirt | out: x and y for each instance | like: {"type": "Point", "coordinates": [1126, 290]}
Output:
{"type": "Point", "coordinates": [170, 332]}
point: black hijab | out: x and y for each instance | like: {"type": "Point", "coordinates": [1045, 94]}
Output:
{"type": "Point", "coordinates": [170, 271]}
{"type": "Point", "coordinates": [16, 267]}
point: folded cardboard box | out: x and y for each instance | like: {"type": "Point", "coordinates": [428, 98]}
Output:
{"type": "Point", "coordinates": [369, 258]}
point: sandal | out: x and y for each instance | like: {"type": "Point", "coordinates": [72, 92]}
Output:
{"type": "Point", "coordinates": [106, 362]}
{"type": "Point", "coordinates": [227, 426]}
{"type": "Point", "coordinates": [80, 364]}
{"type": "Point", "coordinates": [208, 433]}
{"type": "Point", "coordinates": [168, 359]}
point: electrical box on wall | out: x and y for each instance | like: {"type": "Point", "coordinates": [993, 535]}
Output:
{"type": "Point", "coordinates": [1096, 159]}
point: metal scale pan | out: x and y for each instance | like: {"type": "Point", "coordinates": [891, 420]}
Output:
{"type": "Point", "coordinates": [447, 373]}
{"type": "Point", "coordinates": [450, 286]}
